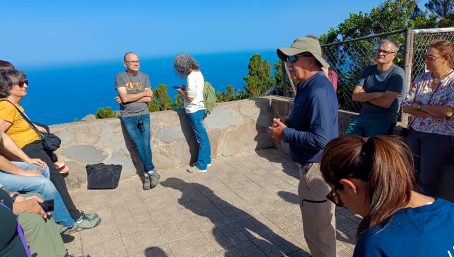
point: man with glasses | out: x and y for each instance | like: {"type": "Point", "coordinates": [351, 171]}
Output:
{"type": "Point", "coordinates": [380, 88]}
{"type": "Point", "coordinates": [134, 94]}
{"type": "Point", "coordinates": [312, 123]}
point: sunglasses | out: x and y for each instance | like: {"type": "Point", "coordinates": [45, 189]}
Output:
{"type": "Point", "coordinates": [294, 58]}
{"type": "Point", "coordinates": [384, 51]}
{"type": "Point", "coordinates": [334, 197]}
{"type": "Point", "coordinates": [22, 83]}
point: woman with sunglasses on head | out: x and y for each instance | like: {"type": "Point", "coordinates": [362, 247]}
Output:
{"type": "Point", "coordinates": [430, 102]}
{"type": "Point", "coordinates": [374, 178]}
{"type": "Point", "coordinates": [13, 87]}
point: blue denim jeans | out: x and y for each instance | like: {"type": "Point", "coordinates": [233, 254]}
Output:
{"type": "Point", "coordinates": [368, 127]}
{"type": "Point", "coordinates": [138, 128]}
{"type": "Point", "coordinates": [41, 185]}
{"type": "Point", "coordinates": [196, 121]}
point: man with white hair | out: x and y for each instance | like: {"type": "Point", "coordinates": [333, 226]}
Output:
{"type": "Point", "coordinates": [380, 88]}
{"type": "Point", "coordinates": [134, 94]}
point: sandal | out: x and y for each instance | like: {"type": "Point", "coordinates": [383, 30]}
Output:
{"type": "Point", "coordinates": [61, 167]}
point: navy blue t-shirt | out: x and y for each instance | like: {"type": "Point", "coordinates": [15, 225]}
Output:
{"type": "Point", "coordinates": [373, 80]}
{"type": "Point", "coordinates": [426, 231]}
{"type": "Point", "coordinates": [313, 121]}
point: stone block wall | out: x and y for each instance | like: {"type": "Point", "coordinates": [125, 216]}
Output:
{"type": "Point", "coordinates": [233, 128]}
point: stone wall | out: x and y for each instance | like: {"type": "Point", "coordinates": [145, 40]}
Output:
{"type": "Point", "coordinates": [233, 128]}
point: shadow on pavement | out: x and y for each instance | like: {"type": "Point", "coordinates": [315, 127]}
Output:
{"type": "Point", "coordinates": [236, 231]}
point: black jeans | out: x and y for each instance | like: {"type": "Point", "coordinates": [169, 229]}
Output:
{"type": "Point", "coordinates": [36, 150]}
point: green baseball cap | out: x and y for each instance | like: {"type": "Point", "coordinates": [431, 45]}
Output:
{"type": "Point", "coordinates": [300, 45]}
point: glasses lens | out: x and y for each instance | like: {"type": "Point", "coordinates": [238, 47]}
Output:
{"type": "Point", "coordinates": [292, 59]}
{"type": "Point", "coordinates": [22, 83]}
{"type": "Point", "coordinates": [334, 197]}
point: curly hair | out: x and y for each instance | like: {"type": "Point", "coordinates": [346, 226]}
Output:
{"type": "Point", "coordinates": [8, 79]}
{"type": "Point", "coordinates": [184, 64]}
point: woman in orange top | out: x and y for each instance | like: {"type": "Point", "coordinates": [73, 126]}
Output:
{"type": "Point", "coordinates": [13, 87]}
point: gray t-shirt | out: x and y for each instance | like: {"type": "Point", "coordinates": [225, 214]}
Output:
{"type": "Point", "coordinates": [134, 84]}
{"type": "Point", "coordinates": [372, 80]}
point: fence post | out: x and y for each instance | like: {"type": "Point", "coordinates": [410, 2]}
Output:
{"type": "Point", "coordinates": [409, 38]}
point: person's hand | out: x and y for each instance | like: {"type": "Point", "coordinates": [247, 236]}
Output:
{"type": "Point", "coordinates": [31, 173]}
{"type": "Point", "coordinates": [283, 120]}
{"type": "Point", "coordinates": [41, 129]}
{"type": "Point", "coordinates": [118, 100]}
{"type": "Point", "coordinates": [277, 129]}
{"type": "Point", "coordinates": [30, 205]}
{"type": "Point", "coordinates": [180, 91]}
{"type": "Point", "coordinates": [38, 162]}
{"type": "Point", "coordinates": [148, 92]}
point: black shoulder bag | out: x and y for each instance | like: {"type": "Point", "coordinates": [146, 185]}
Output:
{"type": "Point", "coordinates": [51, 142]}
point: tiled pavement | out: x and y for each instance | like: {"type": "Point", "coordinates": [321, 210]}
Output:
{"type": "Point", "coordinates": [245, 205]}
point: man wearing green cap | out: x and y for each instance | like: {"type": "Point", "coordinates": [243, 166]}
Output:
{"type": "Point", "coordinates": [312, 123]}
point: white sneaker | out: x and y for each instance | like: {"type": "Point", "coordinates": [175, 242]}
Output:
{"type": "Point", "coordinates": [195, 169]}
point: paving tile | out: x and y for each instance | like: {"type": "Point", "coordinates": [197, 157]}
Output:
{"type": "Point", "coordinates": [246, 205]}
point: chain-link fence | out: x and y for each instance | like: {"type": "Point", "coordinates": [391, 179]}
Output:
{"type": "Point", "coordinates": [421, 39]}
{"type": "Point", "coordinates": [348, 58]}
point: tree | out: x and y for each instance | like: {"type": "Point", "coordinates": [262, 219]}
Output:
{"type": "Point", "coordinates": [389, 16]}
{"type": "Point", "coordinates": [153, 106]}
{"type": "Point", "coordinates": [163, 99]}
{"type": "Point", "coordinates": [106, 113]}
{"type": "Point", "coordinates": [444, 10]}
{"type": "Point", "coordinates": [259, 80]}
{"type": "Point", "coordinates": [177, 101]}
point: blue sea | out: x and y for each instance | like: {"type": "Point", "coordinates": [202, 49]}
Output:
{"type": "Point", "coordinates": [63, 93]}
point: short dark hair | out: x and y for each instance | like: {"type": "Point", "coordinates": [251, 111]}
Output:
{"type": "Point", "coordinates": [5, 65]}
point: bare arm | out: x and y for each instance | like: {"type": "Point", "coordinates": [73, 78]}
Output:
{"type": "Point", "coordinates": [438, 111]}
{"type": "Point", "coordinates": [145, 99]}
{"type": "Point", "coordinates": [184, 95]}
{"type": "Point", "coordinates": [386, 100]}
{"type": "Point", "coordinates": [9, 167]}
{"type": "Point", "coordinates": [8, 145]}
{"type": "Point", "coordinates": [359, 95]}
{"type": "Point", "coordinates": [415, 111]}
{"type": "Point", "coordinates": [127, 98]}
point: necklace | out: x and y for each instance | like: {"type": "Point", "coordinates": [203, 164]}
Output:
{"type": "Point", "coordinates": [435, 82]}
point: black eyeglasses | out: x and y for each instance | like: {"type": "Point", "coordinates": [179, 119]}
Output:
{"type": "Point", "coordinates": [334, 197]}
{"type": "Point", "coordinates": [294, 58]}
{"type": "Point", "coordinates": [22, 83]}
{"type": "Point", "coordinates": [384, 51]}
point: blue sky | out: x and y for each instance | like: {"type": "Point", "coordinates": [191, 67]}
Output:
{"type": "Point", "coordinates": [36, 33]}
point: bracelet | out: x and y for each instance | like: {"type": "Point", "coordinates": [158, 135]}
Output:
{"type": "Point", "coordinates": [13, 198]}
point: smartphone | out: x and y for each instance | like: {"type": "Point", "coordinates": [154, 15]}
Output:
{"type": "Point", "coordinates": [175, 87]}
{"type": "Point", "coordinates": [48, 205]}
